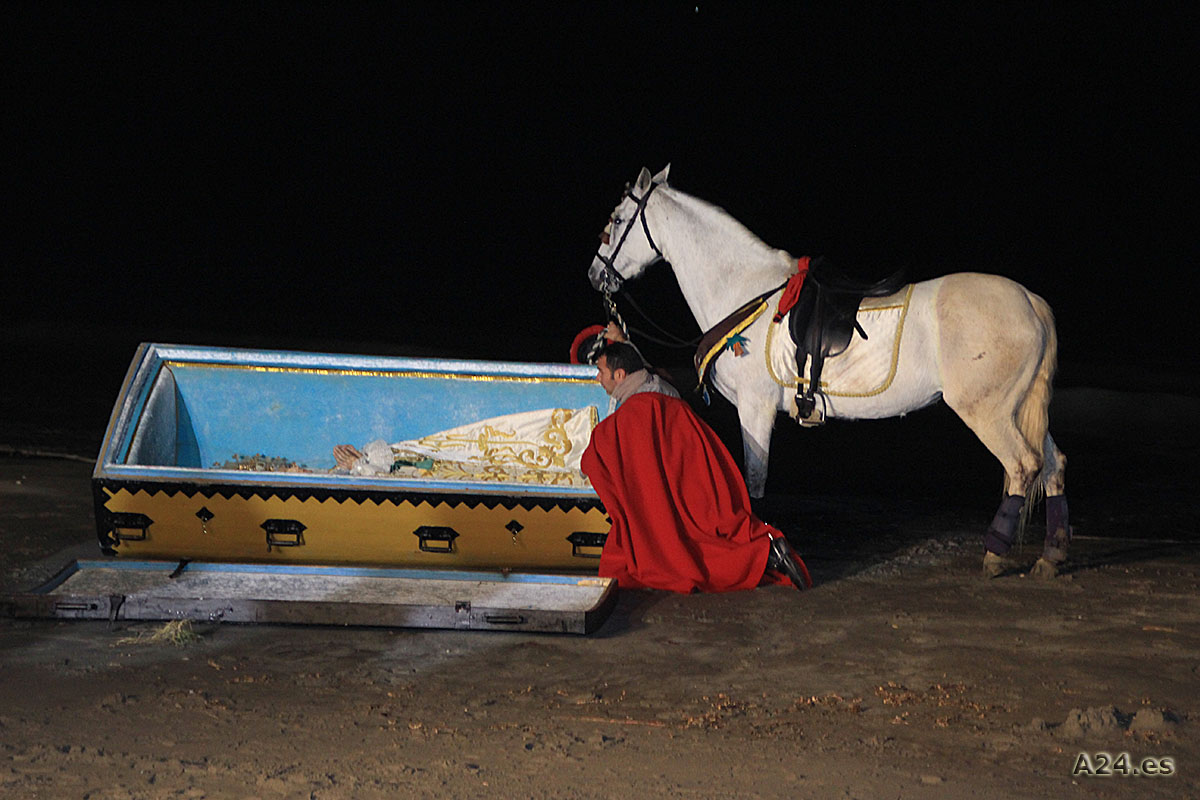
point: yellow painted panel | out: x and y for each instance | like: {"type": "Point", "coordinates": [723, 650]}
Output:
{"type": "Point", "coordinates": [356, 533]}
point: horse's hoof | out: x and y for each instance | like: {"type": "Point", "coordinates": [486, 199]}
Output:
{"type": "Point", "coordinates": [1055, 555]}
{"type": "Point", "coordinates": [1044, 569]}
{"type": "Point", "coordinates": [994, 566]}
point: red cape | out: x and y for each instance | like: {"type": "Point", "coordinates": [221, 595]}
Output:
{"type": "Point", "coordinates": [680, 511]}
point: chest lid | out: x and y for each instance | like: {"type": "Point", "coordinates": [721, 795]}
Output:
{"type": "Point", "coordinates": [320, 595]}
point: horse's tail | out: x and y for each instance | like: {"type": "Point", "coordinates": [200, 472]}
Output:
{"type": "Point", "coordinates": [1033, 416]}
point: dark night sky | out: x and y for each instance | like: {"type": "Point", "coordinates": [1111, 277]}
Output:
{"type": "Point", "coordinates": [434, 175]}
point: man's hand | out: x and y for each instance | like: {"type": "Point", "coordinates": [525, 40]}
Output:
{"type": "Point", "coordinates": [346, 455]}
{"type": "Point", "coordinates": [614, 332]}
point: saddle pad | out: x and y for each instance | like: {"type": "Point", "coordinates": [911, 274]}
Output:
{"type": "Point", "coordinates": [866, 367]}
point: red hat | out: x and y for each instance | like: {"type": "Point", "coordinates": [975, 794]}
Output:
{"type": "Point", "coordinates": [582, 343]}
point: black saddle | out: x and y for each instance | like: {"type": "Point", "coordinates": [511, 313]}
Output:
{"type": "Point", "coordinates": [824, 320]}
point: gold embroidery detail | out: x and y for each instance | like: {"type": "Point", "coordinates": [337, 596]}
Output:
{"type": "Point", "coordinates": [504, 457]}
{"type": "Point", "coordinates": [494, 473]}
{"type": "Point", "coordinates": [500, 447]}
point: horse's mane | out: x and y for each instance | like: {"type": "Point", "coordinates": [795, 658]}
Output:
{"type": "Point", "coordinates": [830, 277]}
{"type": "Point", "coordinates": [735, 229]}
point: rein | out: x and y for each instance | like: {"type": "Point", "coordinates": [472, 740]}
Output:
{"type": "Point", "coordinates": [670, 340]}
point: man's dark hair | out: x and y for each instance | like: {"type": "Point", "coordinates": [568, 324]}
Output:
{"type": "Point", "coordinates": [621, 355]}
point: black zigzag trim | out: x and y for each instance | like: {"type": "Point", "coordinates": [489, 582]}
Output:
{"type": "Point", "coordinates": [358, 496]}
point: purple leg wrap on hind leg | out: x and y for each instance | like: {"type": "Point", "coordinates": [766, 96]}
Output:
{"type": "Point", "coordinates": [1058, 529]}
{"type": "Point", "coordinates": [1003, 530]}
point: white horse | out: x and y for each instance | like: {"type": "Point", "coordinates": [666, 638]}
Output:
{"type": "Point", "coordinates": [983, 343]}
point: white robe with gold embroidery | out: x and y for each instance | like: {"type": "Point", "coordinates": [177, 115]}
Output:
{"type": "Point", "coordinates": [542, 446]}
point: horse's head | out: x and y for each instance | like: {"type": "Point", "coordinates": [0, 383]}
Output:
{"type": "Point", "coordinates": [626, 245]}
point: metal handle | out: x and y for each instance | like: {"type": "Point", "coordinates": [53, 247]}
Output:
{"type": "Point", "coordinates": [582, 539]}
{"type": "Point", "coordinates": [75, 606]}
{"type": "Point", "coordinates": [436, 538]}
{"type": "Point", "coordinates": [284, 533]}
{"type": "Point", "coordinates": [124, 520]}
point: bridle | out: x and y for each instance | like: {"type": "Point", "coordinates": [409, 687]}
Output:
{"type": "Point", "coordinates": [610, 270]}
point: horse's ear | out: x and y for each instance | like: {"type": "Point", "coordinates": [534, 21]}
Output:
{"type": "Point", "coordinates": [643, 180]}
{"type": "Point", "coordinates": [662, 176]}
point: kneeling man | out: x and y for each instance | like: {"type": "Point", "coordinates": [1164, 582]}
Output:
{"type": "Point", "coordinates": [680, 511]}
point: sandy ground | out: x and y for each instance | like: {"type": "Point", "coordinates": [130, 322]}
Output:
{"type": "Point", "coordinates": [902, 674]}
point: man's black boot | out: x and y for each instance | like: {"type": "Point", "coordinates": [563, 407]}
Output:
{"type": "Point", "coordinates": [782, 558]}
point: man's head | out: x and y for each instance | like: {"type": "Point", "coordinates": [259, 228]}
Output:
{"type": "Point", "coordinates": [615, 363]}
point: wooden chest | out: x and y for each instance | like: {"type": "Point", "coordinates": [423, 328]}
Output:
{"type": "Point", "coordinates": [225, 454]}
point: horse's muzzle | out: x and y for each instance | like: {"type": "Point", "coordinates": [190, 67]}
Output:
{"type": "Point", "coordinates": [601, 279]}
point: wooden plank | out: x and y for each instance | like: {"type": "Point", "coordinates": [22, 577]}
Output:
{"type": "Point", "coordinates": [320, 595]}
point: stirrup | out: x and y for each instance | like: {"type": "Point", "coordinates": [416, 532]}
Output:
{"type": "Point", "coordinates": [813, 417]}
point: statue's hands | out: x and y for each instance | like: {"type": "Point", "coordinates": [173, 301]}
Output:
{"type": "Point", "coordinates": [346, 455]}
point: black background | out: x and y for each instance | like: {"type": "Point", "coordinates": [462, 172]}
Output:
{"type": "Point", "coordinates": [432, 177]}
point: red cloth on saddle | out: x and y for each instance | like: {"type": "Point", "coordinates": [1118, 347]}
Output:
{"type": "Point", "coordinates": [791, 292]}
{"type": "Point", "coordinates": [680, 511]}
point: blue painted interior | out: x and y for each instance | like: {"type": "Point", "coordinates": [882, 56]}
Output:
{"type": "Point", "coordinates": [300, 411]}
{"type": "Point", "coordinates": [187, 449]}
